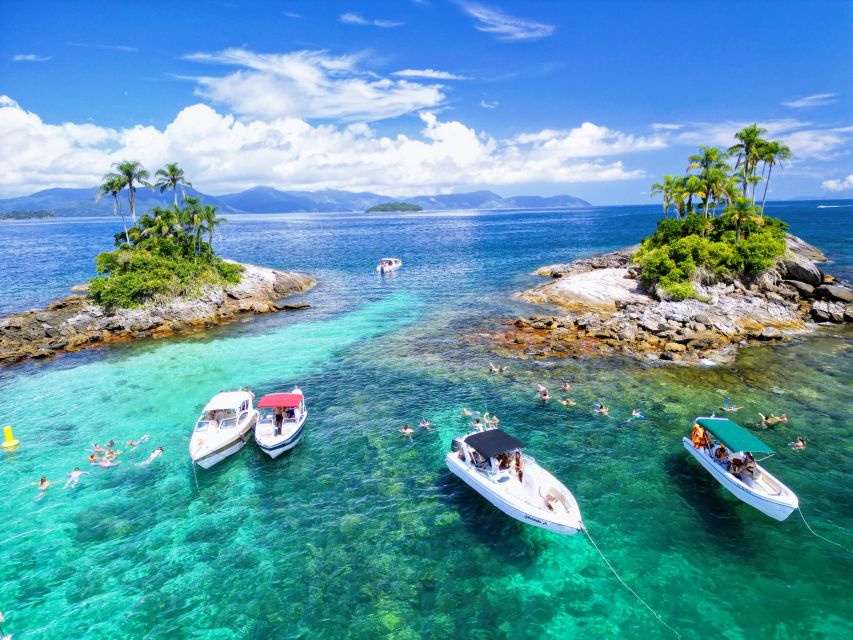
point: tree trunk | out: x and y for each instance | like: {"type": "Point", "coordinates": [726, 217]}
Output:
{"type": "Point", "coordinates": [766, 184]}
{"type": "Point", "coordinates": [133, 203]}
{"type": "Point", "coordinates": [123, 223]}
{"type": "Point", "coordinates": [175, 191]}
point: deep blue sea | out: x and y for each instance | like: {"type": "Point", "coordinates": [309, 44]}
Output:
{"type": "Point", "coordinates": [363, 533]}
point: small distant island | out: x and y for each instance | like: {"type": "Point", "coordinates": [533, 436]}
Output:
{"type": "Point", "coordinates": [394, 207]}
{"type": "Point", "coordinates": [26, 214]}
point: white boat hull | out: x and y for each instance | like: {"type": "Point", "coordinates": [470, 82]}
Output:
{"type": "Point", "coordinates": [206, 457]}
{"type": "Point", "coordinates": [274, 445]}
{"type": "Point", "coordinates": [778, 507]}
{"type": "Point", "coordinates": [514, 508]}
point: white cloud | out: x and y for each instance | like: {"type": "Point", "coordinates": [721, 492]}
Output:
{"type": "Point", "coordinates": [429, 74]}
{"type": "Point", "coordinates": [807, 141]}
{"type": "Point", "coordinates": [310, 84]}
{"type": "Point", "coordinates": [354, 18]}
{"type": "Point", "coordinates": [489, 105]}
{"type": "Point", "coordinates": [816, 100]}
{"type": "Point", "coordinates": [30, 57]}
{"type": "Point", "coordinates": [221, 153]}
{"type": "Point", "coordinates": [838, 185]}
{"type": "Point", "coordinates": [666, 126]}
{"type": "Point", "coordinates": [107, 47]}
{"type": "Point", "coordinates": [505, 26]}
{"type": "Point", "coordinates": [588, 140]}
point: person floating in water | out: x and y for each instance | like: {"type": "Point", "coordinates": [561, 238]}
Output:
{"type": "Point", "coordinates": [43, 484]}
{"type": "Point", "coordinates": [543, 393]}
{"type": "Point", "coordinates": [467, 412]}
{"type": "Point", "coordinates": [136, 443]}
{"type": "Point", "coordinates": [74, 477]}
{"type": "Point", "coordinates": [769, 421]}
{"type": "Point", "coordinates": [494, 369]}
{"type": "Point", "coordinates": [601, 409]}
{"type": "Point", "coordinates": [799, 445]}
{"type": "Point", "coordinates": [729, 407]}
{"type": "Point", "coordinates": [566, 386]}
{"type": "Point", "coordinates": [106, 462]}
{"type": "Point", "coordinates": [425, 424]}
{"type": "Point", "coordinates": [407, 431]}
{"type": "Point", "coordinates": [154, 455]}
{"type": "Point", "coordinates": [568, 402]}
{"type": "Point", "coordinates": [635, 415]}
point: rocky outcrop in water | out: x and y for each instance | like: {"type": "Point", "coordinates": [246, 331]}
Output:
{"type": "Point", "coordinates": [75, 323]}
{"type": "Point", "coordinates": [610, 310]}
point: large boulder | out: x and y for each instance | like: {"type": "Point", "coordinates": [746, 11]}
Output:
{"type": "Point", "coordinates": [833, 292]}
{"type": "Point", "coordinates": [805, 290]}
{"type": "Point", "coordinates": [823, 311]}
{"type": "Point", "coordinates": [802, 270]}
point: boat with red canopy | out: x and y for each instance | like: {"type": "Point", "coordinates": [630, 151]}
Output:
{"type": "Point", "coordinates": [281, 422]}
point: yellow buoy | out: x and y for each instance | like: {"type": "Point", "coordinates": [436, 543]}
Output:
{"type": "Point", "coordinates": [9, 441]}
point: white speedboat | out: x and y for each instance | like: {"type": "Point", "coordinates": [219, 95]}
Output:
{"type": "Point", "coordinates": [485, 460]}
{"type": "Point", "coordinates": [223, 428]}
{"type": "Point", "coordinates": [281, 422]}
{"type": "Point", "coordinates": [725, 449]}
{"type": "Point", "coordinates": [387, 265]}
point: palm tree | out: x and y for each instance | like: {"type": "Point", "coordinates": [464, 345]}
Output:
{"type": "Point", "coordinates": [191, 218]}
{"type": "Point", "coordinates": [666, 189]}
{"type": "Point", "coordinates": [747, 151]}
{"type": "Point", "coordinates": [692, 187]}
{"type": "Point", "coordinates": [772, 153]}
{"type": "Point", "coordinates": [711, 164]}
{"type": "Point", "coordinates": [169, 177]}
{"type": "Point", "coordinates": [111, 185]}
{"type": "Point", "coordinates": [210, 221]}
{"type": "Point", "coordinates": [741, 211]}
{"type": "Point", "coordinates": [132, 173]}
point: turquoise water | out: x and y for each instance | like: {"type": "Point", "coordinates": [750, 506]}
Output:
{"type": "Point", "coordinates": [362, 533]}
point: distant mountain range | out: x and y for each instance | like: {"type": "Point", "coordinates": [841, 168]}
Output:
{"type": "Point", "coordinates": [81, 202]}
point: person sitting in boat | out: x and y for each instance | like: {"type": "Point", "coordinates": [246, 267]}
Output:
{"type": "Point", "coordinates": [290, 414]}
{"type": "Point", "coordinates": [721, 454]}
{"type": "Point", "coordinates": [748, 464]}
{"type": "Point", "coordinates": [503, 462]}
{"type": "Point", "coordinates": [212, 420]}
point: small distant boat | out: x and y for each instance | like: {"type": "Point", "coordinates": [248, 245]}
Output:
{"type": "Point", "coordinates": [483, 460]}
{"type": "Point", "coordinates": [281, 423]}
{"type": "Point", "coordinates": [737, 471]}
{"type": "Point", "coordinates": [387, 265]}
{"type": "Point", "coordinates": [223, 428]}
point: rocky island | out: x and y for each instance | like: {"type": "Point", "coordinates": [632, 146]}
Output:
{"type": "Point", "coordinates": [700, 286]}
{"type": "Point", "coordinates": [163, 278]}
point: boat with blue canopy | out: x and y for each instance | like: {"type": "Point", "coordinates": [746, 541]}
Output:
{"type": "Point", "coordinates": [726, 450]}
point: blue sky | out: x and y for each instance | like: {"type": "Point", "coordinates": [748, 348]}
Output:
{"type": "Point", "coordinates": [595, 99]}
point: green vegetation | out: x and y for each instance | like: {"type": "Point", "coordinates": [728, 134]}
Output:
{"type": "Point", "coordinates": [393, 207]}
{"type": "Point", "coordinates": [706, 243]}
{"type": "Point", "coordinates": [26, 214]}
{"type": "Point", "coordinates": [162, 256]}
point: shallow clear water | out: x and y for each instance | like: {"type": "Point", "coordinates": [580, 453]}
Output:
{"type": "Point", "coordinates": [360, 532]}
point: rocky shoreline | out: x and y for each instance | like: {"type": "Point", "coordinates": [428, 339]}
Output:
{"type": "Point", "coordinates": [75, 323]}
{"type": "Point", "coordinates": [610, 310]}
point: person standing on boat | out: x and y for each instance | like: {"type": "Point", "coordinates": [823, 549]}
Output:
{"type": "Point", "coordinates": [518, 462]}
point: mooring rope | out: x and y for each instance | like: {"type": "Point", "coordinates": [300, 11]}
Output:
{"type": "Point", "coordinates": [192, 464]}
{"type": "Point", "coordinates": [820, 536]}
{"type": "Point", "coordinates": [625, 584]}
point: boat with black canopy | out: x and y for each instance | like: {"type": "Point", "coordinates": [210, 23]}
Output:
{"type": "Point", "coordinates": [726, 450]}
{"type": "Point", "coordinates": [492, 463]}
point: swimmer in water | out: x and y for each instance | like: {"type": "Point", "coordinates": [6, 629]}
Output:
{"type": "Point", "coordinates": [770, 420]}
{"type": "Point", "coordinates": [407, 431]}
{"type": "Point", "coordinates": [74, 477]}
{"type": "Point", "coordinates": [568, 402]}
{"type": "Point", "coordinates": [425, 424]}
{"type": "Point", "coordinates": [601, 409]}
{"type": "Point", "coordinates": [93, 458]}
{"type": "Point", "coordinates": [106, 463]}
{"type": "Point", "coordinates": [154, 455]}
{"type": "Point", "coordinates": [43, 484]}
{"type": "Point", "coordinates": [467, 412]}
{"type": "Point", "coordinates": [136, 443]}
{"type": "Point", "coordinates": [800, 444]}
{"type": "Point", "coordinates": [493, 421]}
{"type": "Point", "coordinates": [635, 413]}
{"type": "Point", "coordinates": [543, 393]}
{"type": "Point", "coordinates": [566, 386]}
